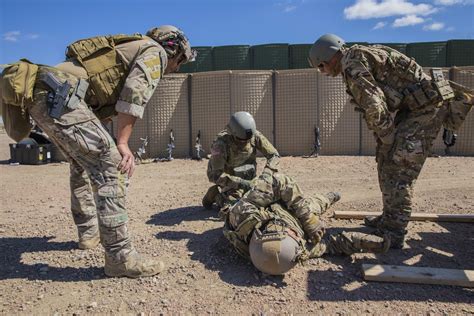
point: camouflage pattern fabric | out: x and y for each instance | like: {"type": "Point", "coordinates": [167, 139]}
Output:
{"type": "Point", "coordinates": [277, 198]}
{"type": "Point", "coordinates": [227, 158]}
{"type": "Point", "coordinates": [402, 106]}
{"type": "Point", "coordinates": [98, 189]}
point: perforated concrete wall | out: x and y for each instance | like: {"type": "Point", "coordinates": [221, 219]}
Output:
{"type": "Point", "coordinates": [169, 110]}
{"type": "Point", "coordinates": [286, 104]}
{"type": "Point", "coordinates": [296, 99]}
{"type": "Point", "coordinates": [465, 142]}
{"type": "Point", "coordinates": [339, 123]}
{"type": "Point", "coordinates": [210, 105]}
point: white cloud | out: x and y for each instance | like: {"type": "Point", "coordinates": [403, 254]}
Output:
{"type": "Point", "coordinates": [408, 21]}
{"type": "Point", "coordinates": [453, 2]}
{"type": "Point", "coordinates": [379, 25]}
{"type": "Point", "coordinates": [11, 36]}
{"type": "Point", "coordinates": [436, 26]}
{"type": "Point", "coordinates": [368, 9]}
{"type": "Point", "coordinates": [289, 8]}
{"type": "Point", "coordinates": [32, 36]}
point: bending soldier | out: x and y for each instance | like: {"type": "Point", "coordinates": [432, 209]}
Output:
{"type": "Point", "coordinates": [102, 77]}
{"type": "Point", "coordinates": [404, 107]}
{"type": "Point", "coordinates": [233, 162]}
{"type": "Point", "coordinates": [272, 224]}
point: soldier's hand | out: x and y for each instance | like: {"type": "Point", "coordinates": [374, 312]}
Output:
{"type": "Point", "coordinates": [127, 164]}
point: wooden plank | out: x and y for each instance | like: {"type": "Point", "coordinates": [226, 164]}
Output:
{"type": "Point", "coordinates": [460, 218]}
{"type": "Point", "coordinates": [420, 275]}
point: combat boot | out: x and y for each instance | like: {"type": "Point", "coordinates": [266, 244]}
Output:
{"type": "Point", "coordinates": [135, 266]}
{"type": "Point", "coordinates": [370, 243]}
{"type": "Point", "coordinates": [397, 241]}
{"type": "Point", "coordinates": [373, 221]}
{"type": "Point", "coordinates": [88, 242]}
{"type": "Point", "coordinates": [333, 197]}
{"type": "Point", "coordinates": [348, 243]}
{"type": "Point", "coordinates": [210, 197]}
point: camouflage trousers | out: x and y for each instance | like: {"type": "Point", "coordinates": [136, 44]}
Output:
{"type": "Point", "coordinates": [98, 189]}
{"type": "Point", "coordinates": [399, 165]}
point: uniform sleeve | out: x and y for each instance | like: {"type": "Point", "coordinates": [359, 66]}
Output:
{"type": "Point", "coordinates": [270, 152]}
{"type": "Point", "coordinates": [141, 82]}
{"type": "Point", "coordinates": [216, 164]}
{"type": "Point", "coordinates": [370, 98]}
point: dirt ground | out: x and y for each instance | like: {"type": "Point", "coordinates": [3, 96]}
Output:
{"type": "Point", "coordinates": [42, 271]}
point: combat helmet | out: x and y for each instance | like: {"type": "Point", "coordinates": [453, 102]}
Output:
{"type": "Point", "coordinates": [242, 125]}
{"type": "Point", "coordinates": [173, 41]}
{"type": "Point", "coordinates": [275, 249]}
{"type": "Point", "coordinates": [324, 49]}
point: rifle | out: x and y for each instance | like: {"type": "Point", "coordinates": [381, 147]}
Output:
{"type": "Point", "coordinates": [139, 154]}
{"type": "Point", "coordinates": [316, 146]}
{"type": "Point", "coordinates": [171, 146]}
{"type": "Point", "coordinates": [198, 147]}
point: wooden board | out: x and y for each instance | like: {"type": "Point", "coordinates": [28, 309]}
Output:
{"type": "Point", "coordinates": [461, 218]}
{"type": "Point", "coordinates": [420, 275]}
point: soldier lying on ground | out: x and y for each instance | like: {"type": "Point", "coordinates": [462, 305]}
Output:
{"type": "Point", "coordinates": [273, 222]}
{"type": "Point", "coordinates": [233, 161]}
{"type": "Point", "coordinates": [103, 76]}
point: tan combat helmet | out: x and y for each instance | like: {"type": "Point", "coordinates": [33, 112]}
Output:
{"type": "Point", "coordinates": [274, 251]}
{"type": "Point", "coordinates": [324, 49]}
{"type": "Point", "coordinates": [173, 41]}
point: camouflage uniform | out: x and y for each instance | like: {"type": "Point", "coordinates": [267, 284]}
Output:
{"type": "Point", "coordinates": [405, 109]}
{"type": "Point", "coordinates": [232, 166]}
{"type": "Point", "coordinates": [277, 198]}
{"type": "Point", "coordinates": [98, 189]}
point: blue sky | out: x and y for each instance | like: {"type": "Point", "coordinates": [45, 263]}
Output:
{"type": "Point", "coordinates": [40, 30]}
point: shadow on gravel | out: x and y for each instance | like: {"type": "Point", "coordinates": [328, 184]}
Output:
{"type": "Point", "coordinates": [176, 216]}
{"type": "Point", "coordinates": [12, 267]}
{"type": "Point", "coordinates": [213, 250]}
{"type": "Point", "coordinates": [451, 249]}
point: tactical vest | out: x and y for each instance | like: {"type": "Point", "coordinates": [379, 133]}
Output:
{"type": "Point", "coordinates": [403, 81]}
{"type": "Point", "coordinates": [105, 68]}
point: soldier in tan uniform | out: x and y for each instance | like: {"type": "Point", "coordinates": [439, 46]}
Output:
{"type": "Point", "coordinates": [233, 162]}
{"type": "Point", "coordinates": [272, 224]}
{"type": "Point", "coordinates": [404, 107]}
{"type": "Point", "coordinates": [102, 77]}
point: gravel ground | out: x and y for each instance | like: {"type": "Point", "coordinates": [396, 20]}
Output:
{"type": "Point", "coordinates": [43, 272]}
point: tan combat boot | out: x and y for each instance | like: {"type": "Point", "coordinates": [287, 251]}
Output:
{"type": "Point", "coordinates": [89, 242]}
{"type": "Point", "coordinates": [135, 266]}
{"type": "Point", "coordinates": [210, 197]}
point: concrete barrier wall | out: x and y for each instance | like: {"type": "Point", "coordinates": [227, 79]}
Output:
{"type": "Point", "coordinates": [287, 106]}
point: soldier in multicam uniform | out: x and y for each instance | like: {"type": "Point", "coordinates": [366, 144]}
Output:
{"type": "Point", "coordinates": [272, 223]}
{"type": "Point", "coordinates": [404, 107]}
{"type": "Point", "coordinates": [106, 76]}
{"type": "Point", "coordinates": [233, 162]}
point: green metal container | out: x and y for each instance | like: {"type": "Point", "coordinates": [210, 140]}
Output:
{"type": "Point", "coordinates": [349, 44]}
{"type": "Point", "coordinates": [270, 56]}
{"type": "Point", "coordinates": [299, 56]}
{"type": "Point", "coordinates": [232, 57]}
{"type": "Point", "coordinates": [428, 54]}
{"type": "Point", "coordinates": [401, 47]}
{"type": "Point", "coordinates": [460, 53]}
{"type": "Point", "coordinates": [203, 61]}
